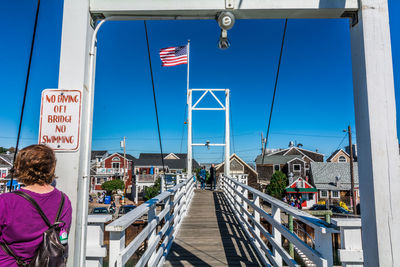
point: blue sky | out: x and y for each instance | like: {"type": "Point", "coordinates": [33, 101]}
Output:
{"type": "Point", "coordinates": [314, 101]}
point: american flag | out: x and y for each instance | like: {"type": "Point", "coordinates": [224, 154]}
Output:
{"type": "Point", "coordinates": [173, 56]}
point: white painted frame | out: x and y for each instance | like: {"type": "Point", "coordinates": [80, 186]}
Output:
{"type": "Point", "coordinates": [375, 109]}
{"type": "Point", "coordinates": [222, 107]}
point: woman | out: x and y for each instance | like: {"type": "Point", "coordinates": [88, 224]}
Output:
{"type": "Point", "coordinates": [21, 226]}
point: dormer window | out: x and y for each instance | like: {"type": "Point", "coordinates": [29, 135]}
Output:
{"type": "Point", "coordinates": [342, 159]}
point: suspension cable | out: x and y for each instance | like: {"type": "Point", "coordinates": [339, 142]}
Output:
{"type": "Point", "coordinates": [275, 86]}
{"type": "Point", "coordinates": [25, 92]}
{"type": "Point", "coordinates": [154, 96]}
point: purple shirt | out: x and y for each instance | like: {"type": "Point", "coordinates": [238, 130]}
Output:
{"type": "Point", "coordinates": [21, 226]}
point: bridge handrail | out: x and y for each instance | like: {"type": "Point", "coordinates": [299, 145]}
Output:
{"type": "Point", "coordinates": [237, 195]}
{"type": "Point", "coordinates": [176, 201]}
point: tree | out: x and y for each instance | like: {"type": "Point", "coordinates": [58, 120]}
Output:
{"type": "Point", "coordinates": [153, 191]}
{"type": "Point", "coordinates": [277, 186]}
{"type": "Point", "coordinates": [113, 185]}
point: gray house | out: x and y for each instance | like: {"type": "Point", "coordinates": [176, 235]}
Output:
{"type": "Point", "coordinates": [332, 180]}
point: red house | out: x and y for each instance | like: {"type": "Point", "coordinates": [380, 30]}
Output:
{"type": "Point", "coordinates": [114, 166]}
{"type": "Point", "coordinates": [301, 187]}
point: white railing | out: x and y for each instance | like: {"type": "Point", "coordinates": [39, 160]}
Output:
{"type": "Point", "coordinates": [160, 230]}
{"type": "Point", "coordinates": [249, 212]}
{"type": "Point", "coordinates": [146, 178]}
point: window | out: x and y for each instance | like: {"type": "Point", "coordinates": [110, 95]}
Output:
{"type": "Point", "coordinates": [115, 165]}
{"type": "Point", "coordinates": [335, 194]}
{"type": "Point", "coordinates": [296, 167]}
{"type": "Point", "coordinates": [324, 193]}
{"type": "Point", "coordinates": [115, 159]}
{"type": "Point", "coordinates": [342, 159]}
{"type": "Point", "coordinates": [277, 167]}
{"type": "Point", "coordinates": [3, 173]}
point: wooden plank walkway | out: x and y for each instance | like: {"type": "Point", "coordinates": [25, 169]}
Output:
{"type": "Point", "coordinates": [210, 235]}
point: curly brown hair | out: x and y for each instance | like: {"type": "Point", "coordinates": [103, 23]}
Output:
{"type": "Point", "coordinates": [35, 164]}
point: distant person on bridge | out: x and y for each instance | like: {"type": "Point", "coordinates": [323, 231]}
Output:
{"type": "Point", "coordinates": [203, 174]}
{"type": "Point", "coordinates": [213, 177]}
{"type": "Point", "coordinates": [22, 227]}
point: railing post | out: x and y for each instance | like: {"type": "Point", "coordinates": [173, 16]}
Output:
{"type": "Point", "coordinates": [257, 214]}
{"type": "Point", "coordinates": [351, 251]}
{"type": "Point", "coordinates": [245, 193]}
{"type": "Point", "coordinates": [151, 216]}
{"type": "Point", "coordinates": [323, 244]}
{"type": "Point", "coordinates": [276, 214]}
{"type": "Point", "coordinates": [117, 244]}
{"type": "Point", "coordinates": [291, 247]}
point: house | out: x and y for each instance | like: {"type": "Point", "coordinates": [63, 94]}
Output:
{"type": "Point", "coordinates": [339, 156]}
{"type": "Point", "coordinates": [295, 160]}
{"type": "Point", "coordinates": [332, 180]}
{"type": "Point", "coordinates": [302, 188]}
{"type": "Point", "coordinates": [239, 167]}
{"type": "Point", "coordinates": [105, 167]}
{"type": "Point", "coordinates": [149, 165]}
{"type": "Point", "coordinates": [6, 163]}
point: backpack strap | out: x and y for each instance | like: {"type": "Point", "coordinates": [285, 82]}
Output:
{"type": "Point", "coordinates": [35, 204]}
{"type": "Point", "coordinates": [60, 209]}
{"type": "Point", "coordinates": [6, 249]}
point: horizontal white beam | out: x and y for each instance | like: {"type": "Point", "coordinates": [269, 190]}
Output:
{"type": "Point", "coordinates": [208, 9]}
{"type": "Point", "coordinates": [208, 145]}
{"type": "Point", "coordinates": [208, 108]}
{"type": "Point", "coordinates": [221, 90]}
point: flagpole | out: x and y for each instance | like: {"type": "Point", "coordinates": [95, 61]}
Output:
{"type": "Point", "coordinates": [189, 123]}
{"type": "Point", "coordinates": [188, 59]}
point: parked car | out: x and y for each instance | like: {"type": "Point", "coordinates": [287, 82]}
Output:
{"type": "Point", "coordinates": [100, 210]}
{"type": "Point", "coordinates": [333, 208]}
{"type": "Point", "coordinates": [124, 209]}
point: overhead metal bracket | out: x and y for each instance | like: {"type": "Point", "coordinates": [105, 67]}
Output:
{"type": "Point", "coordinates": [353, 15]}
{"type": "Point", "coordinates": [229, 4]}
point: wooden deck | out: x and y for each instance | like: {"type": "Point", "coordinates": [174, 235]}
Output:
{"type": "Point", "coordinates": [210, 235]}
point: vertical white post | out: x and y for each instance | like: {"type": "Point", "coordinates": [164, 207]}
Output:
{"type": "Point", "coordinates": [323, 244]}
{"type": "Point", "coordinates": [117, 244]}
{"type": "Point", "coordinates": [227, 135]}
{"type": "Point", "coordinates": [377, 143]}
{"type": "Point", "coordinates": [276, 214]}
{"type": "Point", "coordinates": [151, 238]}
{"type": "Point", "coordinates": [257, 214]}
{"type": "Point", "coordinates": [245, 193]}
{"type": "Point", "coordinates": [189, 140]}
{"type": "Point", "coordinates": [72, 167]}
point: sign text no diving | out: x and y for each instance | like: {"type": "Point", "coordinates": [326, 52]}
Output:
{"type": "Point", "coordinates": [60, 116]}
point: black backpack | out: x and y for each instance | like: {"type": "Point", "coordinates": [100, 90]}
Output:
{"type": "Point", "coordinates": [50, 252]}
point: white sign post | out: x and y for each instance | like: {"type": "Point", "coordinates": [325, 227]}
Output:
{"type": "Point", "coordinates": [60, 118]}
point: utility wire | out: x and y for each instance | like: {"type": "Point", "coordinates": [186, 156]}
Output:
{"type": "Point", "coordinates": [154, 96]}
{"type": "Point", "coordinates": [25, 92]}
{"type": "Point", "coordinates": [275, 86]}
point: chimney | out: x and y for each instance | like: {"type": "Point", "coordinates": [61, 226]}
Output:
{"type": "Point", "coordinates": [291, 144]}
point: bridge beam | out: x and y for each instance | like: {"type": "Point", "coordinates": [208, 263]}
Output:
{"type": "Point", "coordinates": [377, 144]}
{"type": "Point", "coordinates": [242, 9]}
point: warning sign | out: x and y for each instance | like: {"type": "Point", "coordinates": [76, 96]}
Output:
{"type": "Point", "coordinates": [60, 117]}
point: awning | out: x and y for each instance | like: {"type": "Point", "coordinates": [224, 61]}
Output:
{"type": "Point", "coordinates": [301, 190]}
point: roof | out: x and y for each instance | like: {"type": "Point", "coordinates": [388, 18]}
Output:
{"type": "Point", "coordinates": [128, 156]}
{"type": "Point", "coordinates": [324, 175]}
{"type": "Point", "coordinates": [154, 159]}
{"type": "Point", "coordinates": [6, 160]}
{"type": "Point", "coordinates": [276, 159]}
{"type": "Point", "coordinates": [238, 158]}
{"type": "Point", "coordinates": [98, 153]}
{"type": "Point", "coordinates": [334, 154]}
